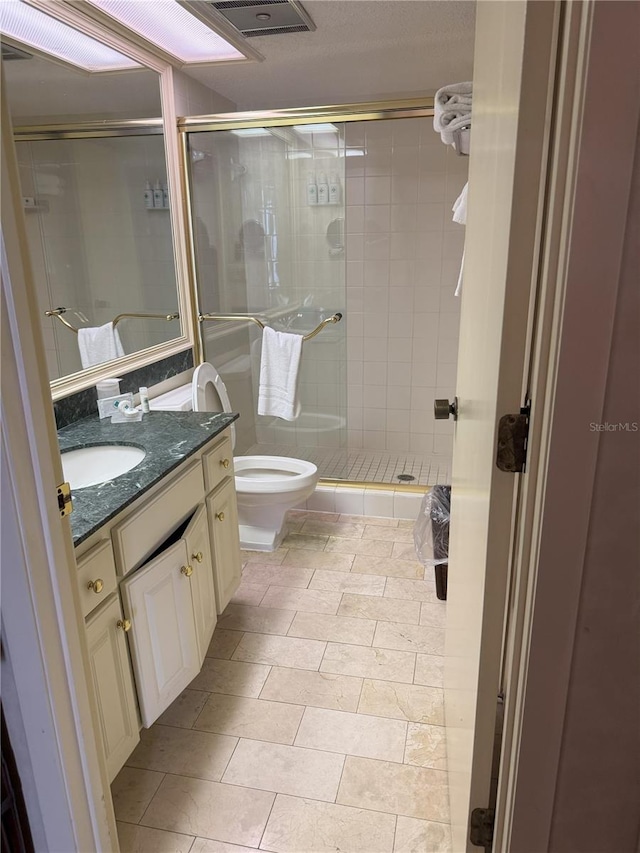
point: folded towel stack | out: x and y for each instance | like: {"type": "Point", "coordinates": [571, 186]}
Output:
{"type": "Point", "coordinates": [452, 114]}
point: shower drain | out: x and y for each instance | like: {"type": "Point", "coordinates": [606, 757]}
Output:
{"type": "Point", "coordinates": [406, 478]}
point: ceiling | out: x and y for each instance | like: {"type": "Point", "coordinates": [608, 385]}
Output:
{"type": "Point", "coordinates": [362, 50]}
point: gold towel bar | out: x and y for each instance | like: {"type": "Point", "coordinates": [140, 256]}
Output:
{"type": "Point", "coordinates": [58, 312]}
{"type": "Point", "coordinates": [335, 318]}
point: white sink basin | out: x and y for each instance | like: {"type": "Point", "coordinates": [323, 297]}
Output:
{"type": "Point", "coordinates": [89, 466]}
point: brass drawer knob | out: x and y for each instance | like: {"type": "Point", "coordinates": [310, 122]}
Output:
{"type": "Point", "coordinates": [125, 624]}
{"type": "Point", "coordinates": [187, 571]}
{"type": "Point", "coordinates": [220, 516]}
{"type": "Point", "coordinates": [97, 585]}
{"type": "Point", "coordinates": [197, 557]}
{"type": "Point", "coordinates": [225, 463]}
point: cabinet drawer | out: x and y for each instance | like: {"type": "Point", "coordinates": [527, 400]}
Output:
{"type": "Point", "coordinates": [141, 533]}
{"type": "Point", "coordinates": [96, 576]}
{"type": "Point", "coordinates": [218, 463]}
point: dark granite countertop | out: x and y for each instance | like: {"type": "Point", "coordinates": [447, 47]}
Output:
{"type": "Point", "coordinates": [168, 439]}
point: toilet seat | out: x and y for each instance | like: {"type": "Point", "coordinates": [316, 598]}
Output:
{"type": "Point", "coordinates": [209, 393]}
{"type": "Point", "coordinates": [273, 474]}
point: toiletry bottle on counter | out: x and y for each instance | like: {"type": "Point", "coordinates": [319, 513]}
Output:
{"type": "Point", "coordinates": [323, 189]}
{"type": "Point", "coordinates": [148, 195]}
{"type": "Point", "coordinates": [312, 189]}
{"type": "Point", "coordinates": [144, 399]}
{"type": "Point", "coordinates": [165, 195]}
{"type": "Point", "coordinates": [158, 195]}
{"type": "Point", "coordinates": [334, 189]}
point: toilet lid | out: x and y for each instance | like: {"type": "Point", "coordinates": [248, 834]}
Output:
{"type": "Point", "coordinates": [209, 393]}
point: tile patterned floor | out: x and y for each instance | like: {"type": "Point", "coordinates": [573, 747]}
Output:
{"type": "Point", "coordinates": [366, 466]}
{"type": "Point", "coordinates": [316, 724]}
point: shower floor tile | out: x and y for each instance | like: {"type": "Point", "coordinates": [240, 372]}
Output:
{"type": "Point", "coordinates": [366, 466]}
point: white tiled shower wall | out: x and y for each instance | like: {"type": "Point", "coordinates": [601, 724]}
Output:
{"type": "Point", "coordinates": [403, 260]}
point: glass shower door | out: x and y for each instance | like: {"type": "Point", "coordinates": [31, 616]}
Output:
{"type": "Point", "coordinates": [267, 208]}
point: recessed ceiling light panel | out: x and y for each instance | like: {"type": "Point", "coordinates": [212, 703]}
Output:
{"type": "Point", "coordinates": [29, 26]}
{"type": "Point", "coordinates": [171, 27]}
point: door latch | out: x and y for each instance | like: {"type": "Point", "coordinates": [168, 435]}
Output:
{"type": "Point", "coordinates": [513, 434]}
{"type": "Point", "coordinates": [64, 500]}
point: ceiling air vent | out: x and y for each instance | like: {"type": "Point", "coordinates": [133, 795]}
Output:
{"type": "Point", "coordinates": [265, 17]}
{"type": "Point", "coordinates": [10, 52]}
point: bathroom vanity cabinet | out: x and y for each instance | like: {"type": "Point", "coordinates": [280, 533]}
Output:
{"type": "Point", "coordinates": [152, 581]}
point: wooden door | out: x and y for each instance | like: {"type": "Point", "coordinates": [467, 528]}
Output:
{"type": "Point", "coordinates": [113, 684]}
{"type": "Point", "coordinates": [225, 539]}
{"type": "Point", "coordinates": [203, 594]}
{"type": "Point", "coordinates": [513, 88]}
{"type": "Point", "coordinates": [164, 646]}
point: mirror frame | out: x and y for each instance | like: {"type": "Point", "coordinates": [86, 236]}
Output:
{"type": "Point", "coordinates": [88, 377]}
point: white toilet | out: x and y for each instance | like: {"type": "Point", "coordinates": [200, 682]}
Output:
{"type": "Point", "coordinates": [266, 486]}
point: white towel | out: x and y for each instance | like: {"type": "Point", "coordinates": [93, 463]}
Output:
{"type": "Point", "coordinates": [452, 111]}
{"type": "Point", "coordinates": [460, 216]}
{"type": "Point", "coordinates": [98, 344]}
{"type": "Point", "coordinates": [279, 370]}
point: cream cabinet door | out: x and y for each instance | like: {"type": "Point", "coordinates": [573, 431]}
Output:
{"type": "Point", "coordinates": [225, 539]}
{"type": "Point", "coordinates": [164, 647]}
{"type": "Point", "coordinates": [113, 684]}
{"type": "Point", "coordinates": [202, 588]}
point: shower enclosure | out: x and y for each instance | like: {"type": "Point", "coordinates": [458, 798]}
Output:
{"type": "Point", "coordinates": [298, 215]}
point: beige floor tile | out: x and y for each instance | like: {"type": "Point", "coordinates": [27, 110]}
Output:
{"type": "Point", "coordinates": [420, 836]}
{"type": "Point", "coordinates": [280, 651]}
{"type": "Point", "coordinates": [383, 609]}
{"type": "Point", "coordinates": [413, 590]}
{"type": "Point", "coordinates": [141, 839]}
{"type": "Point", "coordinates": [352, 734]}
{"type": "Point", "coordinates": [429, 670]}
{"type": "Point", "coordinates": [251, 718]}
{"type": "Point", "coordinates": [264, 557]}
{"type": "Point", "coordinates": [402, 702]}
{"type": "Point", "coordinates": [305, 600]}
{"type": "Point", "coordinates": [387, 566]}
{"type": "Point", "coordinates": [260, 620]}
{"type": "Point", "coordinates": [184, 752]}
{"type": "Point", "coordinates": [347, 582]}
{"type": "Point", "coordinates": [230, 676]}
{"type": "Point", "coordinates": [426, 746]}
{"type": "Point", "coordinates": [184, 710]}
{"type": "Point", "coordinates": [249, 593]}
{"type": "Point", "coordinates": [297, 825]}
{"type": "Point", "coordinates": [222, 812]}
{"type": "Point", "coordinates": [132, 790]}
{"type": "Point", "coordinates": [409, 638]}
{"type": "Point", "coordinates": [319, 560]}
{"type": "Point", "coordinates": [368, 519]}
{"type": "Point", "coordinates": [223, 643]}
{"type": "Point", "coordinates": [393, 534]}
{"type": "Point", "coordinates": [319, 689]}
{"type": "Point", "coordinates": [396, 788]}
{"type": "Point", "coordinates": [285, 769]}
{"type": "Point", "coordinates": [206, 845]}
{"type": "Point", "coordinates": [433, 614]}
{"type": "Point", "coordinates": [404, 551]}
{"type": "Point", "coordinates": [311, 515]}
{"type": "Point", "coordinates": [275, 574]}
{"type": "Point", "coordinates": [367, 547]}
{"type": "Point", "coordinates": [406, 523]}
{"type": "Point", "coordinates": [340, 528]}
{"type": "Point", "coordinates": [315, 626]}
{"type": "Point", "coordinates": [307, 541]}
{"type": "Point", "coordinates": [368, 663]}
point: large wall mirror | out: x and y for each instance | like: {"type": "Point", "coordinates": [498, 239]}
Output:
{"type": "Point", "coordinates": [93, 171]}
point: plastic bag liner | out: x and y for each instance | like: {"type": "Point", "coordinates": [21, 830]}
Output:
{"type": "Point", "coordinates": [431, 530]}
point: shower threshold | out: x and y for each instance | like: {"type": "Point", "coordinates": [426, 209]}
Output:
{"type": "Point", "coordinates": [367, 466]}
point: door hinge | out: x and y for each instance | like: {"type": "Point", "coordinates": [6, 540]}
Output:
{"type": "Point", "coordinates": [481, 827]}
{"type": "Point", "coordinates": [64, 500]}
{"type": "Point", "coordinates": [513, 435]}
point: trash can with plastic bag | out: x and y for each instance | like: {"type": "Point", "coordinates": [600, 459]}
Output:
{"type": "Point", "coordinates": [431, 535]}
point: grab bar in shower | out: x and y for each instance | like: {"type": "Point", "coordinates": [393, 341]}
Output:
{"type": "Point", "coordinates": [58, 312]}
{"type": "Point", "coordinates": [248, 318]}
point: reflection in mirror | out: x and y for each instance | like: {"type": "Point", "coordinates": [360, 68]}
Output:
{"type": "Point", "coordinates": [96, 209]}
